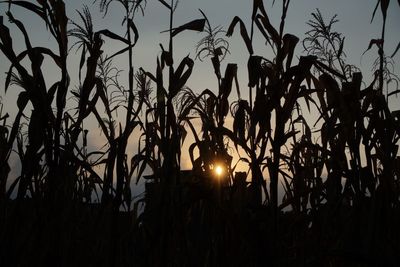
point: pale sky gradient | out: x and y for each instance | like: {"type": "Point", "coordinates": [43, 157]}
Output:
{"type": "Point", "coordinates": [354, 16]}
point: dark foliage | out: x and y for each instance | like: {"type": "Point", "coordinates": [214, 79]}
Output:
{"type": "Point", "coordinates": [74, 206]}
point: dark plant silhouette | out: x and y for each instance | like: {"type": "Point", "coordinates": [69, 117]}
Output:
{"type": "Point", "coordinates": [72, 204]}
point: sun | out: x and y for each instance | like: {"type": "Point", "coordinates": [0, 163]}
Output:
{"type": "Point", "coordinates": [219, 170]}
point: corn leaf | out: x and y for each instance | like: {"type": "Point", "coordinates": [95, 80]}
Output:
{"type": "Point", "coordinates": [135, 31]}
{"type": "Point", "coordinates": [289, 44]}
{"type": "Point", "coordinates": [396, 50]}
{"type": "Point", "coordinates": [321, 66]}
{"type": "Point", "coordinates": [375, 9]}
{"type": "Point", "coordinates": [6, 39]}
{"type": "Point", "coordinates": [258, 4]}
{"type": "Point", "coordinates": [82, 61]}
{"type": "Point", "coordinates": [243, 33]}
{"type": "Point", "coordinates": [165, 4]}
{"type": "Point", "coordinates": [255, 70]}
{"type": "Point", "coordinates": [22, 100]}
{"type": "Point", "coordinates": [377, 42]}
{"type": "Point", "coordinates": [384, 7]}
{"type": "Point", "coordinates": [180, 77]}
{"type": "Point", "coordinates": [29, 6]}
{"type": "Point", "coordinates": [113, 36]}
{"type": "Point", "coordinates": [239, 122]}
{"type": "Point", "coordinates": [194, 25]}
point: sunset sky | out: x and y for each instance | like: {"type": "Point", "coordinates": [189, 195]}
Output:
{"type": "Point", "coordinates": [354, 22]}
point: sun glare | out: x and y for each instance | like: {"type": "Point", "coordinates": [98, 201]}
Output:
{"type": "Point", "coordinates": [219, 170]}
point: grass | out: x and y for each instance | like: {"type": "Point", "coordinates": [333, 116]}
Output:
{"type": "Point", "coordinates": [340, 205]}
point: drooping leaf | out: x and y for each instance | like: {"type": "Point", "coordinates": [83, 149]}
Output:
{"type": "Point", "coordinates": [194, 25]}
{"type": "Point", "coordinates": [239, 122]}
{"type": "Point", "coordinates": [22, 28]}
{"type": "Point", "coordinates": [306, 93]}
{"type": "Point", "coordinates": [332, 90]}
{"type": "Point", "coordinates": [148, 74]}
{"type": "Point", "coordinates": [114, 36]}
{"type": "Point", "coordinates": [135, 31]}
{"type": "Point", "coordinates": [22, 101]}
{"type": "Point", "coordinates": [256, 6]}
{"type": "Point", "coordinates": [5, 37]}
{"type": "Point", "coordinates": [30, 6]}
{"type": "Point", "coordinates": [227, 81]}
{"type": "Point", "coordinates": [261, 115]}
{"type": "Point", "coordinates": [255, 70]}
{"type": "Point", "coordinates": [396, 50]}
{"type": "Point", "coordinates": [289, 135]}
{"type": "Point", "coordinates": [139, 5]}
{"type": "Point", "coordinates": [243, 33]}
{"type": "Point", "coordinates": [180, 77]}
{"type": "Point", "coordinates": [264, 21]}
{"type": "Point", "coordinates": [377, 42]}
{"type": "Point", "coordinates": [119, 52]}
{"type": "Point", "coordinates": [375, 9]}
{"type": "Point", "coordinates": [165, 4]}
{"type": "Point", "coordinates": [259, 5]}
{"type": "Point", "coordinates": [264, 33]}
{"type": "Point", "coordinates": [289, 44]}
{"type": "Point", "coordinates": [394, 93]}
{"type": "Point", "coordinates": [166, 57]}
{"type": "Point", "coordinates": [183, 134]}
{"type": "Point", "coordinates": [322, 67]}
{"type": "Point", "coordinates": [217, 66]}
{"type": "Point", "coordinates": [8, 80]}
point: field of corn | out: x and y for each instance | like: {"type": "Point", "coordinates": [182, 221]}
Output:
{"type": "Point", "coordinates": [322, 192]}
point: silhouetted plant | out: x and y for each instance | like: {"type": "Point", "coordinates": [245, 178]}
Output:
{"type": "Point", "coordinates": [340, 176]}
